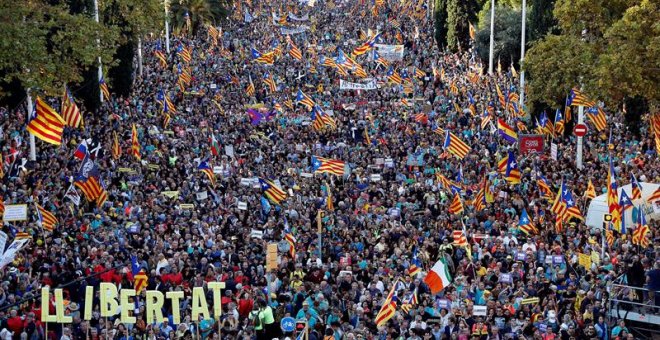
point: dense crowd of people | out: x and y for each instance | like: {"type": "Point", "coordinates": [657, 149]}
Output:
{"type": "Point", "coordinates": [355, 236]}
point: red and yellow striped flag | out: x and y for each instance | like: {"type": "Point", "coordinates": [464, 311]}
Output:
{"type": "Point", "coordinates": [135, 144]}
{"type": "Point", "coordinates": [46, 124]}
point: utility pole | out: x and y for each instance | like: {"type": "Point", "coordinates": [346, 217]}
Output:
{"type": "Point", "coordinates": [98, 43]}
{"type": "Point", "coordinates": [522, 55]}
{"type": "Point", "coordinates": [30, 108]}
{"type": "Point", "coordinates": [166, 4]}
{"type": "Point", "coordinates": [492, 36]}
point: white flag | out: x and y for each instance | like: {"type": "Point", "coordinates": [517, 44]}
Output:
{"type": "Point", "coordinates": [73, 195]}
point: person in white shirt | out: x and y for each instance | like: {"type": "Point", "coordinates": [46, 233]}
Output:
{"type": "Point", "coordinates": [529, 245]}
{"type": "Point", "coordinates": [418, 323]}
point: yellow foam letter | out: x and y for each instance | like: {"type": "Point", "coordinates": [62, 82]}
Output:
{"type": "Point", "coordinates": [176, 310]}
{"type": "Point", "coordinates": [127, 306]}
{"type": "Point", "coordinates": [59, 308]}
{"type": "Point", "coordinates": [217, 288]}
{"type": "Point", "coordinates": [109, 302]}
{"type": "Point", "coordinates": [154, 306]}
{"type": "Point", "coordinates": [89, 298]}
{"type": "Point", "coordinates": [45, 306]}
{"type": "Point", "coordinates": [199, 305]}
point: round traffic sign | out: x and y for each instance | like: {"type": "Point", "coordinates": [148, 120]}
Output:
{"type": "Point", "coordinates": [288, 324]}
{"type": "Point", "coordinates": [580, 130]}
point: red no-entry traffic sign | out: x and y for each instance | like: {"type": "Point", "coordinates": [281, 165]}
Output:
{"type": "Point", "coordinates": [580, 130]}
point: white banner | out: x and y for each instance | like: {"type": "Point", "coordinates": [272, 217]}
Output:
{"type": "Point", "coordinates": [3, 241]}
{"type": "Point", "coordinates": [347, 85]}
{"type": "Point", "coordinates": [15, 212]}
{"type": "Point", "coordinates": [14, 248]}
{"type": "Point", "coordinates": [390, 52]}
{"type": "Point", "coordinates": [297, 18]}
{"type": "Point", "coordinates": [295, 30]}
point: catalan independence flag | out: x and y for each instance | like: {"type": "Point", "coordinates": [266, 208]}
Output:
{"type": "Point", "coordinates": [525, 224]}
{"type": "Point", "coordinates": [394, 76]}
{"type": "Point", "coordinates": [263, 58]}
{"type": "Point", "coordinates": [208, 171]}
{"type": "Point", "coordinates": [506, 131]}
{"type": "Point", "coordinates": [104, 89]}
{"type": "Point", "coordinates": [577, 98]}
{"type": "Point", "coordinates": [273, 192]}
{"type": "Point", "coordinates": [90, 187]}
{"type": "Point", "coordinates": [415, 264]}
{"type": "Point", "coordinates": [46, 218]}
{"type": "Point", "coordinates": [366, 46]}
{"type": "Point", "coordinates": [327, 165]}
{"type": "Point", "coordinates": [636, 188]}
{"type": "Point", "coordinates": [321, 120]}
{"type": "Point", "coordinates": [456, 146]}
{"type": "Point", "coordinates": [158, 52]}
{"type": "Point", "coordinates": [294, 51]}
{"type": "Point", "coordinates": [512, 172]}
{"type": "Point", "coordinates": [46, 124]}
{"type": "Point", "coordinates": [597, 116]}
{"type": "Point", "coordinates": [307, 101]}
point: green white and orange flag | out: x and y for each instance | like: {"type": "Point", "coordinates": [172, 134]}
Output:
{"type": "Point", "coordinates": [438, 277]}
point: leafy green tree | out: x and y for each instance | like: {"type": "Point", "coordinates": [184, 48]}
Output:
{"type": "Point", "coordinates": [541, 20]}
{"type": "Point", "coordinates": [44, 46]}
{"type": "Point", "coordinates": [201, 12]}
{"type": "Point", "coordinates": [459, 14]}
{"type": "Point", "coordinates": [507, 37]}
{"type": "Point", "coordinates": [630, 64]}
{"type": "Point", "coordinates": [440, 23]}
{"type": "Point", "coordinates": [559, 62]}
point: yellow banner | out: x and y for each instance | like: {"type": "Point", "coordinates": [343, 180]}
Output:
{"type": "Point", "coordinates": [187, 206]}
{"type": "Point", "coordinates": [584, 260]}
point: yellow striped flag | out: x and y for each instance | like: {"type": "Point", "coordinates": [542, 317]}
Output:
{"type": "Point", "coordinates": [456, 206]}
{"type": "Point", "coordinates": [135, 144]}
{"type": "Point", "coordinates": [70, 111]}
{"type": "Point", "coordinates": [46, 124]}
{"type": "Point", "coordinates": [456, 146]}
{"type": "Point", "coordinates": [46, 218]}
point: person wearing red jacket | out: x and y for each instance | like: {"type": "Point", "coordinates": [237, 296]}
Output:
{"type": "Point", "coordinates": [14, 322]}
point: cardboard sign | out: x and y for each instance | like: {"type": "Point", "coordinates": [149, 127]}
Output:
{"type": "Point", "coordinates": [271, 256]}
{"type": "Point", "coordinates": [557, 259]}
{"type": "Point", "coordinates": [242, 205]}
{"type": "Point", "coordinates": [202, 195]}
{"type": "Point", "coordinates": [306, 175]}
{"type": "Point", "coordinates": [375, 178]}
{"type": "Point", "coordinates": [479, 310]}
{"type": "Point", "coordinates": [170, 194]}
{"type": "Point", "coordinates": [217, 170]}
{"type": "Point", "coordinates": [506, 278]}
{"type": "Point", "coordinates": [256, 234]}
{"type": "Point", "coordinates": [15, 212]}
{"type": "Point", "coordinates": [246, 182]}
{"type": "Point", "coordinates": [553, 151]}
{"type": "Point", "coordinates": [187, 206]}
{"type": "Point", "coordinates": [444, 303]}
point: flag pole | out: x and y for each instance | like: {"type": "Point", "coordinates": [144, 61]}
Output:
{"type": "Point", "coordinates": [30, 108]}
{"type": "Point", "coordinates": [166, 4]}
{"type": "Point", "coordinates": [522, 54]}
{"type": "Point", "coordinates": [578, 154]}
{"type": "Point", "coordinates": [492, 37]}
{"type": "Point", "coordinates": [98, 43]}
